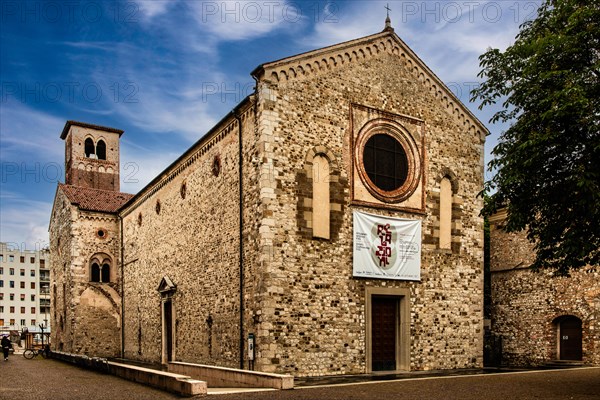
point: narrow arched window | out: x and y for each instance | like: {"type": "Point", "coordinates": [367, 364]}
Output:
{"type": "Point", "coordinates": [90, 150]}
{"type": "Point", "coordinates": [445, 214]}
{"type": "Point", "coordinates": [101, 150]}
{"type": "Point", "coordinates": [320, 202]}
{"type": "Point", "coordinates": [105, 273]}
{"type": "Point", "coordinates": [95, 272]}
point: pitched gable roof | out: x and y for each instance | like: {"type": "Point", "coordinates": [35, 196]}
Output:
{"type": "Point", "coordinates": [327, 58]}
{"type": "Point", "coordinates": [95, 199]}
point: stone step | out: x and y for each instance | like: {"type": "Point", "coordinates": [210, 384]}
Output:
{"type": "Point", "coordinates": [559, 364]}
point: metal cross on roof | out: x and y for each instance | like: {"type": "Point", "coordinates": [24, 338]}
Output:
{"type": "Point", "coordinates": [388, 22]}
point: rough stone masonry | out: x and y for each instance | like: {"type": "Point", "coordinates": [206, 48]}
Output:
{"type": "Point", "coordinates": [221, 244]}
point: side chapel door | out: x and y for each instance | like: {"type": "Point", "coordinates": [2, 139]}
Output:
{"type": "Point", "coordinates": [167, 290]}
{"type": "Point", "coordinates": [570, 339]}
{"type": "Point", "coordinates": [168, 328]}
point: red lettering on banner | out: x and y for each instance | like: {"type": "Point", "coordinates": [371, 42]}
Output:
{"type": "Point", "coordinates": [384, 250]}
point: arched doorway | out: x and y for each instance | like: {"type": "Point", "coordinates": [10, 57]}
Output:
{"type": "Point", "coordinates": [569, 338]}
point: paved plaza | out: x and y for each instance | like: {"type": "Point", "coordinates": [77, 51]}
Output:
{"type": "Point", "coordinates": [42, 379]}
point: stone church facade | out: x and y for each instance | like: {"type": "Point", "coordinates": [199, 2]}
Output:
{"type": "Point", "coordinates": [250, 231]}
{"type": "Point", "coordinates": [539, 317]}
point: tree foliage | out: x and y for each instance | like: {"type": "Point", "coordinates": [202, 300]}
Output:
{"type": "Point", "coordinates": [547, 163]}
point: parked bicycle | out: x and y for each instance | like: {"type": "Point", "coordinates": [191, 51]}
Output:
{"type": "Point", "coordinates": [31, 353]}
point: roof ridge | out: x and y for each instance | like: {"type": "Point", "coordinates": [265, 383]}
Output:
{"type": "Point", "coordinates": [95, 189]}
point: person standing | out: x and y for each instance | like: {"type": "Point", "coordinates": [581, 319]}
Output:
{"type": "Point", "coordinates": [5, 346]}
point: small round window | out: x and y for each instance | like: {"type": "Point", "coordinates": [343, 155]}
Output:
{"type": "Point", "coordinates": [387, 161]}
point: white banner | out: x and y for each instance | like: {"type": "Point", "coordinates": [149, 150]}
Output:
{"type": "Point", "coordinates": [386, 248]}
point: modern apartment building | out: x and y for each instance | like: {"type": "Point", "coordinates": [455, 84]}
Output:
{"type": "Point", "coordinates": [24, 289]}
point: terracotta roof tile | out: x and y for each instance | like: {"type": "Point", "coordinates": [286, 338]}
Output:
{"type": "Point", "coordinates": [95, 199]}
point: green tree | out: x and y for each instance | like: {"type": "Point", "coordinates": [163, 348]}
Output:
{"type": "Point", "coordinates": [547, 163]}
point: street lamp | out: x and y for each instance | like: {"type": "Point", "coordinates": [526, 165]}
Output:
{"type": "Point", "coordinates": [42, 329]}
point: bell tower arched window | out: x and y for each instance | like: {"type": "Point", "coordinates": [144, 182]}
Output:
{"type": "Point", "coordinates": [90, 149]}
{"type": "Point", "coordinates": [101, 150]}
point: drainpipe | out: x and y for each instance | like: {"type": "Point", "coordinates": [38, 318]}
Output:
{"type": "Point", "coordinates": [122, 288]}
{"type": "Point", "coordinates": [241, 236]}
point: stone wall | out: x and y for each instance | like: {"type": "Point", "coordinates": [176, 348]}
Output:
{"type": "Point", "coordinates": [527, 305]}
{"type": "Point", "coordinates": [86, 315]}
{"type": "Point", "coordinates": [310, 316]}
{"type": "Point", "coordinates": [185, 226]}
{"type": "Point", "coordinates": [313, 312]}
{"type": "Point", "coordinates": [60, 258]}
{"type": "Point", "coordinates": [508, 250]}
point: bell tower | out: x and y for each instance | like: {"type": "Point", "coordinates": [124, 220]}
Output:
{"type": "Point", "coordinates": [91, 155]}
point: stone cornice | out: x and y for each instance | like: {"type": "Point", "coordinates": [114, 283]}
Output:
{"type": "Point", "coordinates": [95, 161]}
{"type": "Point", "coordinates": [97, 216]}
{"type": "Point", "coordinates": [71, 123]}
{"type": "Point", "coordinates": [387, 42]}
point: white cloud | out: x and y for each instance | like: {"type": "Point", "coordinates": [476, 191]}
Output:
{"type": "Point", "coordinates": [24, 221]}
{"type": "Point", "coordinates": [140, 165]}
{"type": "Point", "coordinates": [343, 24]}
{"type": "Point", "coordinates": [83, 45]}
{"type": "Point", "coordinates": [149, 8]}
{"type": "Point", "coordinates": [29, 135]}
{"type": "Point", "coordinates": [156, 112]}
{"type": "Point", "coordinates": [448, 36]}
{"type": "Point", "coordinates": [242, 20]}
{"type": "Point", "coordinates": [174, 93]}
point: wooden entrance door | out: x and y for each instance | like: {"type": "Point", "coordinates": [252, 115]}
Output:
{"type": "Point", "coordinates": [570, 339]}
{"type": "Point", "coordinates": [384, 323]}
{"type": "Point", "coordinates": [168, 329]}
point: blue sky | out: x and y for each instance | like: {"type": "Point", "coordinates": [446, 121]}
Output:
{"type": "Point", "coordinates": [166, 71]}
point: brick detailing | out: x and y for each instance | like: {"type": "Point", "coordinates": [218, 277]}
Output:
{"type": "Point", "coordinates": [304, 179]}
{"type": "Point", "coordinates": [88, 171]}
{"type": "Point", "coordinates": [431, 236]}
{"type": "Point", "coordinates": [410, 131]}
